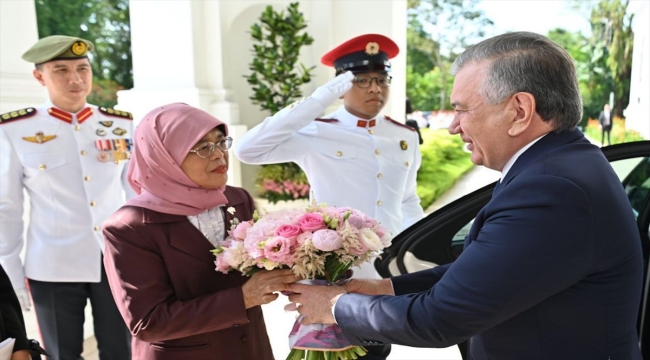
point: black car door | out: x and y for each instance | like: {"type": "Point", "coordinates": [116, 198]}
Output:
{"type": "Point", "coordinates": [438, 238]}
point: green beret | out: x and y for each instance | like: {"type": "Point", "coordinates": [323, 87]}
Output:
{"type": "Point", "coordinates": [58, 47]}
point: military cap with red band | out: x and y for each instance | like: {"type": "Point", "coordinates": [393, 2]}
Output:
{"type": "Point", "coordinates": [365, 53]}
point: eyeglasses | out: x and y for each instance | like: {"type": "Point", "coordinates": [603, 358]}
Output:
{"type": "Point", "coordinates": [366, 81]}
{"type": "Point", "coordinates": [206, 150]}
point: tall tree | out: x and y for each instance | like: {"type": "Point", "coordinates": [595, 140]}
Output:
{"type": "Point", "coordinates": [438, 31]}
{"type": "Point", "coordinates": [106, 24]}
{"type": "Point", "coordinates": [612, 31]}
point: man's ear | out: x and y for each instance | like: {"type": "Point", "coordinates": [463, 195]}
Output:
{"type": "Point", "coordinates": [38, 75]}
{"type": "Point", "coordinates": [524, 107]}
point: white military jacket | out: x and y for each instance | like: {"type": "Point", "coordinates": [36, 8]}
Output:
{"type": "Point", "coordinates": [73, 167]}
{"type": "Point", "coordinates": [369, 165]}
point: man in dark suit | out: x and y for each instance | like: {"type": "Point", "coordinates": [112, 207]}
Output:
{"type": "Point", "coordinates": [605, 119]}
{"type": "Point", "coordinates": [552, 265]}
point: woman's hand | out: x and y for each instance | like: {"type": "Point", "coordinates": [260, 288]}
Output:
{"type": "Point", "coordinates": [21, 355]}
{"type": "Point", "coordinates": [261, 287]}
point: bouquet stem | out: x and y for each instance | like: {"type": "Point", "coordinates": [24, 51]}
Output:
{"type": "Point", "coordinates": [349, 354]}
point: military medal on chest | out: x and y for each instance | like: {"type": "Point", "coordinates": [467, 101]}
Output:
{"type": "Point", "coordinates": [113, 149]}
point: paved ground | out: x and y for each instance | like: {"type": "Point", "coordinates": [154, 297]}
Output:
{"type": "Point", "coordinates": [279, 323]}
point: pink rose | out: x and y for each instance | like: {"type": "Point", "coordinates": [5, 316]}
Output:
{"type": "Point", "coordinates": [311, 222]}
{"type": "Point", "coordinates": [288, 231]}
{"type": "Point", "coordinates": [278, 249]}
{"type": "Point", "coordinates": [239, 232]}
{"type": "Point", "coordinates": [326, 240]}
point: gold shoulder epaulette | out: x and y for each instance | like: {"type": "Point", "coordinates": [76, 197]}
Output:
{"type": "Point", "coordinates": [118, 113]}
{"type": "Point", "coordinates": [399, 123]}
{"type": "Point", "coordinates": [18, 114]}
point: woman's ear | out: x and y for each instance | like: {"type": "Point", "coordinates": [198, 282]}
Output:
{"type": "Point", "coordinates": [524, 108]}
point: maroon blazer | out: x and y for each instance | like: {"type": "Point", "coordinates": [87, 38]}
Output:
{"type": "Point", "coordinates": [162, 276]}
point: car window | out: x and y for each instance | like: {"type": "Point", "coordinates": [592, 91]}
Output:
{"type": "Point", "coordinates": [635, 177]}
{"type": "Point", "coordinates": [634, 174]}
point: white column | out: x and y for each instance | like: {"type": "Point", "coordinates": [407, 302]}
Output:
{"type": "Point", "coordinates": [177, 57]}
{"type": "Point", "coordinates": [18, 32]}
{"type": "Point", "coordinates": [637, 112]}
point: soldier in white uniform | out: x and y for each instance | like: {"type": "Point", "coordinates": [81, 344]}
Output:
{"type": "Point", "coordinates": [71, 158]}
{"type": "Point", "coordinates": [353, 157]}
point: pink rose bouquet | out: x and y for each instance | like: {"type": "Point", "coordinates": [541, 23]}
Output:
{"type": "Point", "coordinates": [320, 244]}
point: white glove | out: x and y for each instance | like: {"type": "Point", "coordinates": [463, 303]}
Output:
{"type": "Point", "coordinates": [23, 299]}
{"type": "Point", "coordinates": [333, 89]}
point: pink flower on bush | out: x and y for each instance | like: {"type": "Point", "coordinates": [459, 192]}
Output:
{"type": "Point", "coordinates": [239, 232]}
{"type": "Point", "coordinates": [326, 240]}
{"type": "Point", "coordinates": [311, 222]}
{"type": "Point", "coordinates": [278, 249]}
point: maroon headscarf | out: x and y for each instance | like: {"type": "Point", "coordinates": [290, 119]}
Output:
{"type": "Point", "coordinates": [162, 140]}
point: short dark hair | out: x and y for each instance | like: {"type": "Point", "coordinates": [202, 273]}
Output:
{"type": "Point", "coordinates": [532, 63]}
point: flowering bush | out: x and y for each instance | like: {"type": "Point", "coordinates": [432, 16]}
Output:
{"type": "Point", "coordinates": [284, 181]}
{"type": "Point", "coordinates": [318, 243]}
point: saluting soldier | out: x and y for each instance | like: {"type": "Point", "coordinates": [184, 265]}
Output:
{"type": "Point", "coordinates": [71, 158]}
{"type": "Point", "coordinates": [353, 157]}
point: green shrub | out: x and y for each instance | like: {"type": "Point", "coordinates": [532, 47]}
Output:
{"type": "Point", "coordinates": [444, 160]}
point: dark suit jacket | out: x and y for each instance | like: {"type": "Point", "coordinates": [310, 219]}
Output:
{"type": "Point", "coordinates": [551, 269]}
{"type": "Point", "coordinates": [601, 120]}
{"type": "Point", "coordinates": [164, 282]}
{"type": "Point", "coordinates": [12, 324]}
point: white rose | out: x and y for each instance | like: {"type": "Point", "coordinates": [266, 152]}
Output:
{"type": "Point", "coordinates": [370, 239]}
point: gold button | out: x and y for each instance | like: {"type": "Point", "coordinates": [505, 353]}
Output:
{"type": "Point", "coordinates": [380, 175]}
{"type": "Point", "coordinates": [93, 204]}
{"type": "Point", "coordinates": [378, 202]}
{"type": "Point", "coordinates": [370, 131]}
{"type": "Point", "coordinates": [87, 178]}
{"type": "Point", "coordinates": [42, 166]}
{"type": "Point", "coordinates": [407, 163]}
{"type": "Point", "coordinates": [83, 152]}
{"type": "Point", "coordinates": [96, 228]}
{"type": "Point", "coordinates": [377, 152]}
{"type": "Point", "coordinates": [77, 127]}
{"type": "Point", "coordinates": [339, 153]}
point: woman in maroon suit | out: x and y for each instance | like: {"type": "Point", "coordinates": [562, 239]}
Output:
{"type": "Point", "coordinates": [157, 255]}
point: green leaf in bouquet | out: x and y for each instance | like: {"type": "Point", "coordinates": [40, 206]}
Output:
{"type": "Point", "coordinates": [296, 354]}
{"type": "Point", "coordinates": [217, 250]}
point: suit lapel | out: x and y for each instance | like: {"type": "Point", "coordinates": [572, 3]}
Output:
{"type": "Point", "coordinates": [182, 236]}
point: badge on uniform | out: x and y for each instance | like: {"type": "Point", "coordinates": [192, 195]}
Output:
{"type": "Point", "coordinates": [106, 123]}
{"type": "Point", "coordinates": [113, 149]}
{"type": "Point", "coordinates": [119, 131]}
{"type": "Point", "coordinates": [39, 138]}
{"type": "Point", "coordinates": [403, 144]}
{"type": "Point", "coordinates": [100, 132]}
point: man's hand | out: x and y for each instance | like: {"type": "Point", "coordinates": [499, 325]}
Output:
{"type": "Point", "coordinates": [315, 302]}
{"type": "Point", "coordinates": [261, 287]}
{"type": "Point", "coordinates": [369, 286]}
{"type": "Point", "coordinates": [23, 299]}
{"type": "Point", "coordinates": [333, 89]}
